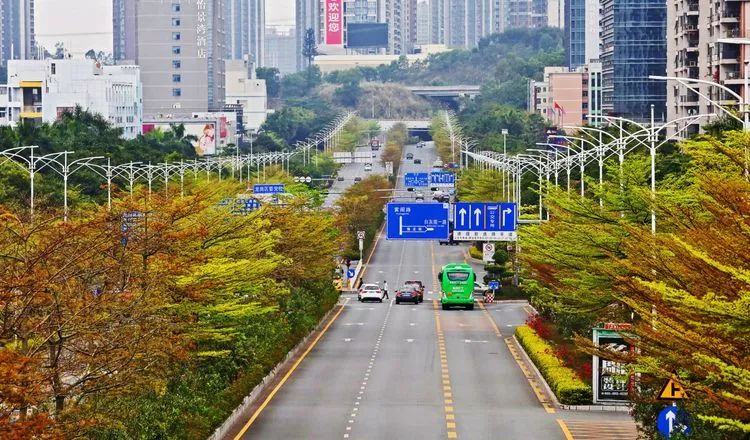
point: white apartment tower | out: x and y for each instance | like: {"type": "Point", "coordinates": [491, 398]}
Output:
{"type": "Point", "coordinates": [694, 28]}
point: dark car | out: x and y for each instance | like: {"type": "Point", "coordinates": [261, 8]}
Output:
{"type": "Point", "coordinates": [417, 285]}
{"type": "Point", "coordinates": [340, 178]}
{"type": "Point", "coordinates": [407, 294]}
{"type": "Point", "coordinates": [450, 241]}
{"type": "Point", "coordinates": [417, 160]}
{"type": "Point", "coordinates": [409, 156]}
{"type": "Point", "coordinates": [357, 179]}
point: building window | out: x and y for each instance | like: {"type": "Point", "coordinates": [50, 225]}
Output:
{"type": "Point", "coordinates": [176, 50]}
{"type": "Point", "coordinates": [176, 7]}
{"type": "Point", "coordinates": [176, 78]}
{"type": "Point", "coordinates": [176, 92]}
{"type": "Point", "coordinates": [175, 36]}
{"type": "Point", "coordinates": [176, 64]}
{"type": "Point", "coordinates": [175, 22]}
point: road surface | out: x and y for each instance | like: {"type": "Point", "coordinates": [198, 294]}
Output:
{"type": "Point", "coordinates": [387, 371]}
{"type": "Point", "coordinates": [351, 170]}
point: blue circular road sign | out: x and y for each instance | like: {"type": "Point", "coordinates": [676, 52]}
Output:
{"type": "Point", "coordinates": [672, 419]}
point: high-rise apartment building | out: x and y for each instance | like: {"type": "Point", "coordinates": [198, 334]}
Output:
{"type": "Point", "coordinates": [462, 23]}
{"type": "Point", "coordinates": [423, 22]}
{"type": "Point", "coordinates": [401, 17]}
{"type": "Point", "coordinates": [280, 50]}
{"type": "Point", "coordinates": [308, 16]}
{"type": "Point", "coordinates": [17, 34]}
{"type": "Point", "coordinates": [581, 32]}
{"type": "Point", "coordinates": [245, 23]}
{"type": "Point", "coordinates": [567, 97]}
{"type": "Point", "coordinates": [526, 13]}
{"type": "Point", "coordinates": [179, 45]}
{"type": "Point", "coordinates": [634, 46]}
{"type": "Point", "coordinates": [694, 28]}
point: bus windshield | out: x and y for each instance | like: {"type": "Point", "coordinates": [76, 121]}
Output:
{"type": "Point", "coordinates": [458, 276]}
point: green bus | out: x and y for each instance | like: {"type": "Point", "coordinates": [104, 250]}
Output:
{"type": "Point", "coordinates": [457, 285]}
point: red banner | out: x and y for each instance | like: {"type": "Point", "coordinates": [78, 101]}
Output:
{"type": "Point", "coordinates": [334, 22]}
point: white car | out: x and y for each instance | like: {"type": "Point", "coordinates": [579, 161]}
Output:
{"type": "Point", "coordinates": [368, 167]}
{"type": "Point", "coordinates": [370, 292]}
{"type": "Point", "coordinates": [480, 288]}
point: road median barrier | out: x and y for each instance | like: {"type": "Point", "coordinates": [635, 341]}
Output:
{"type": "Point", "coordinates": [567, 387]}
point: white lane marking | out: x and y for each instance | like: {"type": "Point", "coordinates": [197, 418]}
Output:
{"type": "Point", "coordinates": [355, 323]}
{"type": "Point", "coordinates": [416, 271]}
{"type": "Point", "coordinates": [347, 339]}
{"type": "Point", "coordinates": [509, 325]}
{"type": "Point", "coordinates": [412, 324]}
{"type": "Point", "coordinates": [409, 340]}
{"type": "Point", "coordinates": [469, 341]}
{"type": "Point", "coordinates": [414, 308]}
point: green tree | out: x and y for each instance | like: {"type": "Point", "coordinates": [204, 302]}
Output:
{"type": "Point", "coordinates": [273, 80]}
{"type": "Point", "coordinates": [309, 47]}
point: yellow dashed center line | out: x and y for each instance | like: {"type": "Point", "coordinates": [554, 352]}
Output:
{"type": "Point", "coordinates": [450, 416]}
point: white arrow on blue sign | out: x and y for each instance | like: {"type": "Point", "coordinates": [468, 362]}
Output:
{"type": "Point", "coordinates": [673, 419]}
{"type": "Point", "coordinates": [485, 221]}
{"type": "Point", "coordinates": [417, 221]}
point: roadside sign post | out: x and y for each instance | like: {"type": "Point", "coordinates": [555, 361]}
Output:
{"type": "Point", "coordinates": [494, 285]}
{"type": "Point", "coordinates": [417, 221]}
{"type": "Point", "coordinates": [485, 221]}
{"type": "Point", "coordinates": [673, 419]}
{"type": "Point", "coordinates": [488, 251]}
{"type": "Point", "coordinates": [611, 381]}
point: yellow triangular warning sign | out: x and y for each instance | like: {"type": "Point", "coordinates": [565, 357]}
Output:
{"type": "Point", "coordinates": [672, 390]}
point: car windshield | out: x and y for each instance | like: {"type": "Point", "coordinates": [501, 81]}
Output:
{"type": "Point", "coordinates": [458, 276]}
{"type": "Point", "coordinates": [370, 287]}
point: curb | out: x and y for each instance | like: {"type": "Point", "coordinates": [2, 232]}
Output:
{"type": "Point", "coordinates": [226, 427]}
{"type": "Point", "coordinates": [582, 408]}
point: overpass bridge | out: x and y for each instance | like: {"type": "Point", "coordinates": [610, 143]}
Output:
{"type": "Point", "coordinates": [412, 125]}
{"type": "Point", "coordinates": [443, 92]}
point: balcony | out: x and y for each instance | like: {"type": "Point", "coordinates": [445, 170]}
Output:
{"type": "Point", "coordinates": [693, 73]}
{"type": "Point", "coordinates": [733, 32]}
{"type": "Point", "coordinates": [692, 7]}
{"type": "Point", "coordinates": [730, 16]}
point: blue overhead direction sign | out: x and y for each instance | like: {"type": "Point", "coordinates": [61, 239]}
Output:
{"type": "Point", "coordinates": [417, 221]}
{"type": "Point", "coordinates": [416, 180]}
{"type": "Point", "coordinates": [442, 179]}
{"type": "Point", "coordinates": [485, 221]}
{"type": "Point", "coordinates": [268, 188]}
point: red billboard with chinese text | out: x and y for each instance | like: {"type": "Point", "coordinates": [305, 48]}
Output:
{"type": "Point", "coordinates": [334, 22]}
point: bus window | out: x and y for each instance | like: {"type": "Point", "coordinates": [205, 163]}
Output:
{"type": "Point", "coordinates": [458, 276]}
{"type": "Point", "coordinates": [440, 276]}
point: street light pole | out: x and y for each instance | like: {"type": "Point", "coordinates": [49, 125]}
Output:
{"type": "Point", "coordinates": [505, 155]}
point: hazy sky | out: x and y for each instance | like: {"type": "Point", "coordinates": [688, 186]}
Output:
{"type": "Point", "coordinates": [87, 24]}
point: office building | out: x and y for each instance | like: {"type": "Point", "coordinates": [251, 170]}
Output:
{"type": "Point", "coordinates": [17, 40]}
{"type": "Point", "coordinates": [245, 23]}
{"type": "Point", "coordinates": [308, 16]}
{"type": "Point", "coordinates": [245, 90]}
{"type": "Point", "coordinates": [581, 32]}
{"type": "Point", "coordinates": [693, 31]}
{"type": "Point", "coordinates": [567, 97]}
{"type": "Point", "coordinates": [179, 45]}
{"type": "Point", "coordinates": [633, 36]}
{"type": "Point", "coordinates": [41, 90]}
{"type": "Point", "coordinates": [280, 50]}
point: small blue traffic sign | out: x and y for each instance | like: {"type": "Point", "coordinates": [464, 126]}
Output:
{"type": "Point", "coordinates": [673, 419]}
{"type": "Point", "coordinates": [418, 221]}
{"type": "Point", "coordinates": [494, 285]}
{"type": "Point", "coordinates": [416, 180]}
{"type": "Point", "coordinates": [442, 179]}
{"type": "Point", "coordinates": [272, 188]}
{"type": "Point", "coordinates": [350, 273]}
{"type": "Point", "coordinates": [484, 221]}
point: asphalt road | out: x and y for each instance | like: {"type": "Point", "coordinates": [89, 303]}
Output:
{"type": "Point", "coordinates": [351, 170]}
{"type": "Point", "coordinates": [387, 371]}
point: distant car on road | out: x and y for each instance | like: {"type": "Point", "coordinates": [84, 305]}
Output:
{"type": "Point", "coordinates": [418, 285]}
{"type": "Point", "coordinates": [357, 179]}
{"type": "Point", "coordinates": [368, 167]}
{"type": "Point", "coordinates": [420, 144]}
{"type": "Point", "coordinates": [370, 292]}
{"type": "Point", "coordinates": [340, 178]}
{"type": "Point", "coordinates": [409, 156]}
{"type": "Point", "coordinates": [480, 288]}
{"type": "Point", "coordinates": [419, 196]}
{"type": "Point", "coordinates": [417, 160]}
{"type": "Point", "coordinates": [450, 241]}
{"type": "Point", "coordinates": [407, 293]}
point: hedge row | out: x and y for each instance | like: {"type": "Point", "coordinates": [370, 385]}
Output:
{"type": "Point", "coordinates": [567, 386]}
